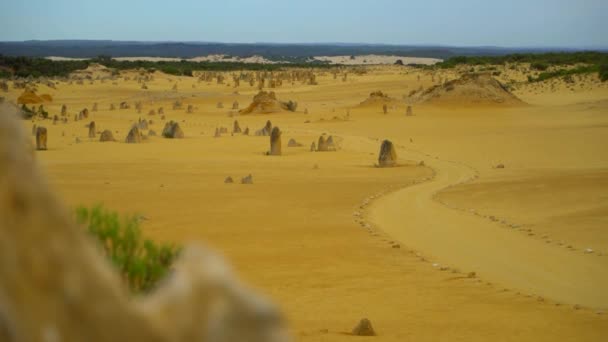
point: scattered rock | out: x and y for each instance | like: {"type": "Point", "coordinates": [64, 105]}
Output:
{"type": "Point", "coordinates": [92, 130]}
{"type": "Point", "coordinates": [41, 138]}
{"type": "Point", "coordinates": [247, 180]}
{"type": "Point", "coordinates": [228, 180]}
{"type": "Point", "coordinates": [172, 130]}
{"type": "Point", "coordinates": [409, 111]}
{"type": "Point", "coordinates": [106, 136]}
{"type": "Point", "coordinates": [364, 328]}
{"type": "Point", "coordinates": [388, 155]}
{"type": "Point", "coordinates": [134, 136]}
{"type": "Point", "coordinates": [236, 128]}
{"type": "Point", "coordinates": [322, 145]}
{"type": "Point", "coordinates": [275, 142]}
{"type": "Point", "coordinates": [142, 124]}
{"type": "Point", "coordinates": [331, 146]}
{"type": "Point", "coordinates": [293, 143]}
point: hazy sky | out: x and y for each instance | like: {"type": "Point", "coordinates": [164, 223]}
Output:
{"type": "Point", "coordinates": [564, 23]}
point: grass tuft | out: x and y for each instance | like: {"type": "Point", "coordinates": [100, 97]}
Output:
{"type": "Point", "coordinates": [141, 262]}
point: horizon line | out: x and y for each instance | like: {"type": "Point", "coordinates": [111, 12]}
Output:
{"type": "Point", "coordinates": [427, 45]}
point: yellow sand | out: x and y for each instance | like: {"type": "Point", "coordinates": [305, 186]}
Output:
{"type": "Point", "coordinates": [299, 232]}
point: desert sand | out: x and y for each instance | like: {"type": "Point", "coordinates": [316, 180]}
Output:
{"type": "Point", "coordinates": [499, 234]}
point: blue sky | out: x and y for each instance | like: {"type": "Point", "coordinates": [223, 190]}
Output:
{"type": "Point", "coordinates": [554, 23]}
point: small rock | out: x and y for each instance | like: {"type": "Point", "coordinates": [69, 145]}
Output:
{"type": "Point", "coordinates": [364, 328]}
{"type": "Point", "coordinates": [247, 180]}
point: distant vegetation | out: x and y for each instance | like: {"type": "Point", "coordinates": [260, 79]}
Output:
{"type": "Point", "coordinates": [276, 52]}
{"type": "Point", "coordinates": [538, 61]}
{"type": "Point", "coordinates": [550, 64]}
{"type": "Point", "coordinates": [37, 67]}
{"type": "Point", "coordinates": [567, 73]}
{"type": "Point", "coordinates": [186, 68]}
{"type": "Point", "coordinates": [588, 62]}
{"type": "Point", "coordinates": [42, 67]}
{"type": "Point", "coordinates": [141, 262]}
{"type": "Point", "coordinates": [604, 72]}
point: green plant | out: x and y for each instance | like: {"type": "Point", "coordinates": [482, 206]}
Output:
{"type": "Point", "coordinates": [603, 72]}
{"type": "Point", "coordinates": [26, 113]}
{"type": "Point", "coordinates": [585, 69]}
{"type": "Point", "coordinates": [541, 66]}
{"type": "Point", "coordinates": [141, 262]}
{"type": "Point", "coordinates": [42, 112]}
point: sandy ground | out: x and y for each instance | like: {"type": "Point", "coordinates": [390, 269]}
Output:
{"type": "Point", "coordinates": [316, 230]}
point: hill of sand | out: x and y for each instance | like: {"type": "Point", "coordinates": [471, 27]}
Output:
{"type": "Point", "coordinates": [264, 103]}
{"type": "Point", "coordinates": [377, 98]}
{"type": "Point", "coordinates": [470, 89]}
{"type": "Point", "coordinates": [30, 97]}
{"type": "Point", "coordinates": [94, 70]}
{"type": "Point", "coordinates": [333, 239]}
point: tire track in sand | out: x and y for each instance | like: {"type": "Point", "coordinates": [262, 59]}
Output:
{"type": "Point", "coordinates": [413, 217]}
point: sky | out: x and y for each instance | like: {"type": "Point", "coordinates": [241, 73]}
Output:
{"type": "Point", "coordinates": [507, 23]}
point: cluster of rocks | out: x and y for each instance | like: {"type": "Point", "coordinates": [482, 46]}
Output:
{"type": "Point", "coordinates": [324, 144]}
{"type": "Point", "coordinates": [245, 180]}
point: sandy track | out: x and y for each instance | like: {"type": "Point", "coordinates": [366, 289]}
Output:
{"type": "Point", "coordinates": [472, 243]}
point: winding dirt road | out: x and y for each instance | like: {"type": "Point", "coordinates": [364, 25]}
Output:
{"type": "Point", "coordinates": [470, 243]}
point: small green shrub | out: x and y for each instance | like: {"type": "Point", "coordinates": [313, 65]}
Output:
{"type": "Point", "coordinates": [26, 113]}
{"type": "Point", "coordinates": [42, 112]}
{"type": "Point", "coordinates": [540, 66]}
{"type": "Point", "coordinates": [603, 72]}
{"type": "Point", "coordinates": [141, 262]}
